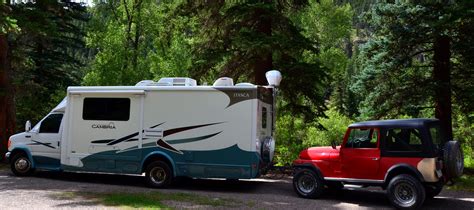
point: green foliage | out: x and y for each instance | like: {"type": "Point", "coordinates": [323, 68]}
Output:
{"type": "Point", "coordinates": [290, 135]}
{"type": "Point", "coordinates": [331, 24]}
{"type": "Point", "coordinates": [294, 135]}
{"type": "Point", "coordinates": [139, 40]}
{"type": "Point", "coordinates": [464, 183]}
{"type": "Point", "coordinates": [463, 127]}
{"type": "Point", "coordinates": [243, 40]}
{"type": "Point", "coordinates": [396, 64]}
{"type": "Point", "coordinates": [7, 23]}
{"type": "Point", "coordinates": [335, 126]}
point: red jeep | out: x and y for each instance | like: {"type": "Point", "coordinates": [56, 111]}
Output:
{"type": "Point", "coordinates": [410, 158]}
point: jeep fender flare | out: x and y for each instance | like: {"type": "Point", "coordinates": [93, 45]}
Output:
{"type": "Point", "coordinates": [402, 168]}
{"type": "Point", "coordinates": [25, 150]}
{"type": "Point", "coordinates": [308, 166]}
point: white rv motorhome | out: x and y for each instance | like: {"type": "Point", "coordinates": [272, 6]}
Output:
{"type": "Point", "coordinates": [164, 129]}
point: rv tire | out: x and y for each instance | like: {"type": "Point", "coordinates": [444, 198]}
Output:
{"type": "Point", "coordinates": [158, 174]}
{"type": "Point", "coordinates": [21, 165]}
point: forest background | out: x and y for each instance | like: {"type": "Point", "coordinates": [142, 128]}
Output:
{"type": "Point", "coordinates": [342, 61]}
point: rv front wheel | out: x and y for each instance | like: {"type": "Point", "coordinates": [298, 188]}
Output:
{"type": "Point", "coordinates": [21, 165]}
{"type": "Point", "coordinates": [158, 174]}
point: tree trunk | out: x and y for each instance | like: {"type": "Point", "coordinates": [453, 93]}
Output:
{"type": "Point", "coordinates": [264, 62]}
{"type": "Point", "coordinates": [7, 106]}
{"type": "Point", "coordinates": [442, 78]}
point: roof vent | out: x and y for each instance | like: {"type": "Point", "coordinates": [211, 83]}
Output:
{"type": "Point", "coordinates": [176, 81]}
{"type": "Point", "coordinates": [147, 83]}
{"type": "Point", "coordinates": [224, 81]}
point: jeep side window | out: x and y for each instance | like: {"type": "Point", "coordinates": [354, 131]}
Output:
{"type": "Point", "coordinates": [436, 137]}
{"type": "Point", "coordinates": [404, 140]}
{"type": "Point", "coordinates": [51, 123]}
{"type": "Point", "coordinates": [362, 138]}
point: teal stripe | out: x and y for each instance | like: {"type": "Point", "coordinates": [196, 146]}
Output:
{"type": "Point", "coordinates": [182, 141]}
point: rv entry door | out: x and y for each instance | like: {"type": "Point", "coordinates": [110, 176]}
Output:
{"type": "Point", "coordinates": [106, 130]}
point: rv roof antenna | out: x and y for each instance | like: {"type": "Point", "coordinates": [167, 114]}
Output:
{"type": "Point", "coordinates": [273, 78]}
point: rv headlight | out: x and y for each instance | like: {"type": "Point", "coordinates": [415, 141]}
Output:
{"type": "Point", "coordinates": [273, 78]}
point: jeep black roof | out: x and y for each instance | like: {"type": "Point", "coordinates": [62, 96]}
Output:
{"type": "Point", "coordinates": [417, 122]}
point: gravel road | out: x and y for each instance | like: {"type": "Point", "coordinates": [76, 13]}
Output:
{"type": "Point", "coordinates": [46, 190]}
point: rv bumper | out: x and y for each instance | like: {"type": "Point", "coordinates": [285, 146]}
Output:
{"type": "Point", "coordinates": [7, 156]}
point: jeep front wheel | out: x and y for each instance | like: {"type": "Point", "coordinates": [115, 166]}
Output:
{"type": "Point", "coordinates": [406, 192]}
{"type": "Point", "coordinates": [308, 184]}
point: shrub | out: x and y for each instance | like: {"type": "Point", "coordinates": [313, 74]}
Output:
{"type": "Point", "coordinates": [294, 135]}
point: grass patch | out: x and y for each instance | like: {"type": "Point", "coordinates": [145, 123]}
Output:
{"type": "Point", "coordinates": [466, 181]}
{"type": "Point", "coordinates": [153, 200]}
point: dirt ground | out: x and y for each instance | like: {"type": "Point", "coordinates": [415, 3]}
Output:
{"type": "Point", "coordinates": [47, 190]}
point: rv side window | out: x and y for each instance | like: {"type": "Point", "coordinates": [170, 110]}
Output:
{"type": "Point", "coordinates": [110, 109]}
{"type": "Point", "coordinates": [264, 117]}
{"type": "Point", "coordinates": [51, 123]}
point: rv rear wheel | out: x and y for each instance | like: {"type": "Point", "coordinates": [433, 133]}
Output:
{"type": "Point", "coordinates": [158, 174]}
{"type": "Point", "coordinates": [21, 165]}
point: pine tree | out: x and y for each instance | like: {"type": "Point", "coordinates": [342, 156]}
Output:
{"type": "Point", "coordinates": [420, 57]}
{"type": "Point", "coordinates": [245, 39]}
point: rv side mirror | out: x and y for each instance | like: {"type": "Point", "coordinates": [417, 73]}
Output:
{"type": "Point", "coordinates": [333, 144]}
{"type": "Point", "coordinates": [27, 126]}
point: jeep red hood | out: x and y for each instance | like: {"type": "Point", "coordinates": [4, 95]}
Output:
{"type": "Point", "coordinates": [320, 153]}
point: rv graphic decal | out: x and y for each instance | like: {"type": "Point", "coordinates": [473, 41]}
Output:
{"type": "Point", "coordinates": [165, 145]}
{"type": "Point", "coordinates": [181, 129]}
{"type": "Point", "coordinates": [182, 141]}
{"type": "Point", "coordinates": [41, 143]}
{"type": "Point", "coordinates": [160, 142]}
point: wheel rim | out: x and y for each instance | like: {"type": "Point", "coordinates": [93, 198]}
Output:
{"type": "Point", "coordinates": [158, 175]}
{"type": "Point", "coordinates": [22, 165]}
{"type": "Point", "coordinates": [405, 194]}
{"type": "Point", "coordinates": [306, 183]}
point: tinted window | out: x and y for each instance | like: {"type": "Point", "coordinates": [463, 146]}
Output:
{"type": "Point", "coordinates": [110, 109]}
{"type": "Point", "coordinates": [436, 136]}
{"type": "Point", "coordinates": [403, 140]}
{"type": "Point", "coordinates": [264, 117]}
{"type": "Point", "coordinates": [51, 123]}
{"type": "Point", "coordinates": [362, 138]}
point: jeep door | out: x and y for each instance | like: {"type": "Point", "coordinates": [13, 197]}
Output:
{"type": "Point", "coordinates": [360, 153]}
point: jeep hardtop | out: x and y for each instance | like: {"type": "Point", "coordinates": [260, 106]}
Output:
{"type": "Point", "coordinates": [410, 158]}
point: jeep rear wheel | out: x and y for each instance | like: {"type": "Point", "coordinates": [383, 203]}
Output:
{"type": "Point", "coordinates": [453, 159]}
{"type": "Point", "coordinates": [308, 184]}
{"type": "Point", "coordinates": [406, 192]}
